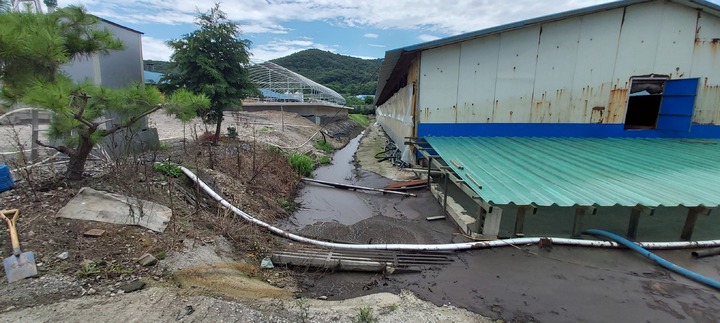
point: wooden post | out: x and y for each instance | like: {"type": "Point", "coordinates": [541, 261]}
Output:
{"type": "Point", "coordinates": [690, 221]}
{"type": "Point", "coordinates": [35, 135]}
{"type": "Point", "coordinates": [520, 222]}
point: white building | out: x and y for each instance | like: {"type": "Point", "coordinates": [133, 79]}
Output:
{"type": "Point", "coordinates": [509, 112]}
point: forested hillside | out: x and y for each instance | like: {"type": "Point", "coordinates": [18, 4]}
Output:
{"type": "Point", "coordinates": [346, 75]}
{"type": "Point", "coordinates": [155, 66]}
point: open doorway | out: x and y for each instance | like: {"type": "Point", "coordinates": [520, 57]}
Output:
{"type": "Point", "coordinates": [643, 108]}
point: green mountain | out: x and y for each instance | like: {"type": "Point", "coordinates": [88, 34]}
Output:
{"type": "Point", "coordinates": [155, 66]}
{"type": "Point", "coordinates": [346, 75]}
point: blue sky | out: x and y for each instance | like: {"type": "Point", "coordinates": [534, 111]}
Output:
{"type": "Point", "coordinates": [350, 27]}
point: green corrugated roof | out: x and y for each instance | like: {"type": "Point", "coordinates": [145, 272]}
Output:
{"type": "Point", "coordinates": [586, 171]}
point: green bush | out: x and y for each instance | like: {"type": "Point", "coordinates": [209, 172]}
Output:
{"type": "Point", "coordinates": [324, 146]}
{"type": "Point", "coordinates": [168, 169]}
{"type": "Point", "coordinates": [324, 160]}
{"type": "Point", "coordinates": [302, 163]}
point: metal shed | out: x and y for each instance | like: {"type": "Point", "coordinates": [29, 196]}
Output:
{"type": "Point", "coordinates": [608, 77]}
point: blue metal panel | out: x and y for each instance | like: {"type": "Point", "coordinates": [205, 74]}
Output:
{"type": "Point", "coordinates": [574, 130]}
{"type": "Point", "coordinates": [678, 102]}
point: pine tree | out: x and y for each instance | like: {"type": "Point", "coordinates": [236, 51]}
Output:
{"type": "Point", "coordinates": [213, 61]}
{"type": "Point", "coordinates": [34, 46]}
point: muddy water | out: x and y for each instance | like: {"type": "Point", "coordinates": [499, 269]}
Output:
{"type": "Point", "coordinates": [326, 204]}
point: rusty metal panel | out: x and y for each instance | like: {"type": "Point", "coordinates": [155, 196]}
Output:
{"type": "Point", "coordinates": [597, 47]}
{"type": "Point", "coordinates": [439, 84]}
{"type": "Point", "coordinates": [476, 89]}
{"type": "Point", "coordinates": [557, 54]}
{"type": "Point", "coordinates": [705, 66]}
{"type": "Point", "coordinates": [516, 74]}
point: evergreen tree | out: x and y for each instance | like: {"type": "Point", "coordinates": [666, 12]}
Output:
{"type": "Point", "coordinates": [33, 47]}
{"type": "Point", "coordinates": [212, 60]}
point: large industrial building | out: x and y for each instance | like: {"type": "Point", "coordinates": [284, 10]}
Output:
{"type": "Point", "coordinates": [602, 117]}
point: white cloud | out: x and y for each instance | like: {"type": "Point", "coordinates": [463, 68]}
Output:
{"type": "Point", "coordinates": [370, 35]}
{"type": "Point", "coordinates": [268, 16]}
{"type": "Point", "coordinates": [155, 49]}
{"type": "Point", "coordinates": [426, 37]}
{"type": "Point", "coordinates": [377, 45]}
{"type": "Point", "coordinates": [283, 47]}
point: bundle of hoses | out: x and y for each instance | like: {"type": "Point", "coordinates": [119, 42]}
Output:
{"type": "Point", "coordinates": [618, 241]}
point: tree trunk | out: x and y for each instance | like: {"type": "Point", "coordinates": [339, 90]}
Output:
{"type": "Point", "coordinates": [76, 165]}
{"type": "Point", "coordinates": [218, 128]}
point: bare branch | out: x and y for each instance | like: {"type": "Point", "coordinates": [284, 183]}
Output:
{"type": "Point", "coordinates": [63, 149]}
{"type": "Point", "coordinates": [132, 120]}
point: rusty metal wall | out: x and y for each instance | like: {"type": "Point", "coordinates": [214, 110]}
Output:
{"type": "Point", "coordinates": [575, 70]}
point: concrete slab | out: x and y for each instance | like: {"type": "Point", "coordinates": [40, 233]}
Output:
{"type": "Point", "coordinates": [92, 205]}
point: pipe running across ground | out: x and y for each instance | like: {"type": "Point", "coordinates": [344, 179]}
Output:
{"type": "Point", "coordinates": [657, 259]}
{"type": "Point", "coordinates": [442, 246]}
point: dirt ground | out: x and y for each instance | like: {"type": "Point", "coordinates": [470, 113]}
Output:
{"type": "Point", "coordinates": [208, 266]}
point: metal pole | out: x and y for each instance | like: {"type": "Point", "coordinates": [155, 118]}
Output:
{"type": "Point", "coordinates": [347, 186]}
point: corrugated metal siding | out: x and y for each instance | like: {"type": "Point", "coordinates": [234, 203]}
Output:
{"type": "Point", "coordinates": [586, 171]}
{"type": "Point", "coordinates": [575, 70]}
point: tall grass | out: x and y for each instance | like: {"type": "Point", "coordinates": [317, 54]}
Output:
{"type": "Point", "coordinates": [361, 119]}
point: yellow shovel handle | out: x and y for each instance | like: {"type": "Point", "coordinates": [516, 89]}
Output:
{"type": "Point", "coordinates": [11, 227]}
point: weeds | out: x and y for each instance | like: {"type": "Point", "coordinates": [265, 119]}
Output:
{"type": "Point", "coordinates": [323, 146]}
{"type": "Point", "coordinates": [265, 129]}
{"type": "Point", "coordinates": [88, 268]}
{"type": "Point", "coordinates": [303, 310]}
{"type": "Point", "coordinates": [324, 160]}
{"type": "Point", "coordinates": [365, 315]}
{"type": "Point", "coordinates": [361, 119]}
{"type": "Point", "coordinates": [168, 169]}
{"type": "Point", "coordinates": [288, 205]}
{"type": "Point", "coordinates": [302, 163]}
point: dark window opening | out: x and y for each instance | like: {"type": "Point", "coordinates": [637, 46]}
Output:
{"type": "Point", "coordinates": [643, 108]}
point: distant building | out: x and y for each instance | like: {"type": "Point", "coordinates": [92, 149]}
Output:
{"type": "Point", "coordinates": [152, 77]}
{"type": "Point", "coordinates": [118, 68]}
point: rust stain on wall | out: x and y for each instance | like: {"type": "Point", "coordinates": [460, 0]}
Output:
{"type": "Point", "coordinates": [616, 107]}
{"type": "Point", "coordinates": [597, 114]}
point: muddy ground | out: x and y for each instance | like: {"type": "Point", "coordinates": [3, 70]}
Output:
{"type": "Point", "coordinates": [209, 261]}
{"type": "Point", "coordinates": [522, 283]}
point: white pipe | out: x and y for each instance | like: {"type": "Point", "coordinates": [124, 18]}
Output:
{"type": "Point", "coordinates": [20, 110]}
{"type": "Point", "coordinates": [443, 246]}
